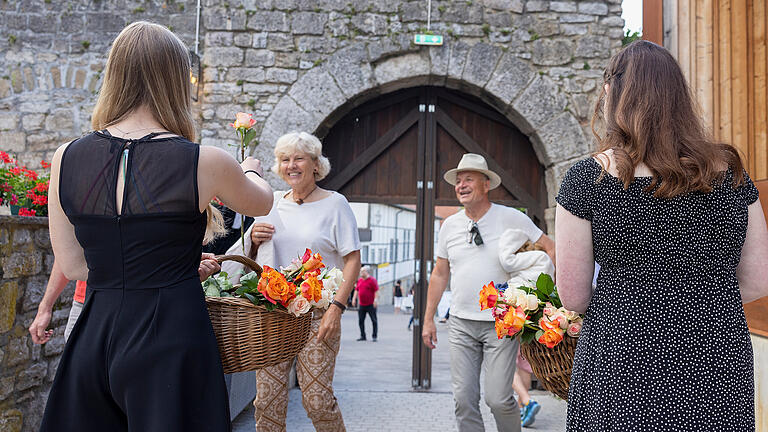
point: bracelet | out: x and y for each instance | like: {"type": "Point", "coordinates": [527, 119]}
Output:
{"type": "Point", "coordinates": [339, 305]}
{"type": "Point", "coordinates": [253, 171]}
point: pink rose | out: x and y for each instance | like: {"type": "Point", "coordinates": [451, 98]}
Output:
{"type": "Point", "coordinates": [299, 306]}
{"type": "Point", "coordinates": [561, 319]}
{"type": "Point", "coordinates": [574, 328]}
{"type": "Point", "coordinates": [549, 309]}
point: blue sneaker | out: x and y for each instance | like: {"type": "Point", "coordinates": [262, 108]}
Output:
{"type": "Point", "coordinates": [530, 411]}
{"type": "Point", "coordinates": [523, 411]}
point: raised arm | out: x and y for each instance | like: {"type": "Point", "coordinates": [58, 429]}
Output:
{"type": "Point", "coordinates": [575, 260]}
{"type": "Point", "coordinates": [221, 176]}
{"type": "Point", "coordinates": [752, 271]}
{"type": "Point", "coordinates": [438, 281]}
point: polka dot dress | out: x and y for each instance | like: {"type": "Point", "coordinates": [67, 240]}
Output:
{"type": "Point", "coordinates": [665, 344]}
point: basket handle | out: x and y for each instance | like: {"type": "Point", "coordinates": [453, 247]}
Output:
{"type": "Point", "coordinates": [242, 260]}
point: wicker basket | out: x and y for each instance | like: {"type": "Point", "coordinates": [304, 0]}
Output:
{"type": "Point", "coordinates": [250, 337]}
{"type": "Point", "coordinates": [552, 366]}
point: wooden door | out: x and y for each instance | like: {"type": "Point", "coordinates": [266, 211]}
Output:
{"type": "Point", "coordinates": [395, 149]}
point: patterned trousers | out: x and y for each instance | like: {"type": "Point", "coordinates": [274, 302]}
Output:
{"type": "Point", "coordinates": [314, 369]}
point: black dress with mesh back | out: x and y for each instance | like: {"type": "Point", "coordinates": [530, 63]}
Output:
{"type": "Point", "coordinates": [665, 344]}
{"type": "Point", "coordinates": [142, 356]}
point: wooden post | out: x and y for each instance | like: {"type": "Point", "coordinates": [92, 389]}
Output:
{"type": "Point", "coordinates": [653, 21]}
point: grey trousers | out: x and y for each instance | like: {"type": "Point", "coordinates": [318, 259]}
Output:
{"type": "Point", "coordinates": [473, 343]}
{"type": "Point", "coordinates": [74, 314]}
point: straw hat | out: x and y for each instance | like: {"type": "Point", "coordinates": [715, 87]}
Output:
{"type": "Point", "coordinates": [472, 162]}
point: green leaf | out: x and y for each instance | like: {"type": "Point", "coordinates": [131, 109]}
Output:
{"type": "Point", "coordinates": [250, 135]}
{"type": "Point", "coordinates": [539, 334]}
{"type": "Point", "coordinates": [545, 284]}
{"type": "Point", "coordinates": [251, 298]}
{"type": "Point", "coordinates": [527, 336]}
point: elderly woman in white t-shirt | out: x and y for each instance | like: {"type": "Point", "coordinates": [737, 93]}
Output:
{"type": "Point", "coordinates": [307, 216]}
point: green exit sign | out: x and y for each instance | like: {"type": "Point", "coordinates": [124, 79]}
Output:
{"type": "Point", "coordinates": [427, 39]}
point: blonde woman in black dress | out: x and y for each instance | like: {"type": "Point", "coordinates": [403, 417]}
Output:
{"type": "Point", "coordinates": [675, 224]}
{"type": "Point", "coordinates": [128, 213]}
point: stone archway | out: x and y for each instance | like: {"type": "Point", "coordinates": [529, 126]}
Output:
{"type": "Point", "coordinates": [359, 72]}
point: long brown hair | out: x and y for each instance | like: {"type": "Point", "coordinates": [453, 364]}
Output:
{"type": "Point", "coordinates": [649, 117]}
{"type": "Point", "coordinates": [149, 65]}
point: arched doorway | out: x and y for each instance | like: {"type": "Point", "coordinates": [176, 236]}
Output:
{"type": "Point", "coordinates": [394, 150]}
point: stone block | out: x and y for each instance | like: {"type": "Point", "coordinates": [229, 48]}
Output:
{"type": "Point", "coordinates": [370, 24]}
{"type": "Point", "coordinates": [401, 67]}
{"type": "Point", "coordinates": [317, 92]}
{"type": "Point", "coordinates": [593, 46]}
{"type": "Point", "coordinates": [315, 44]}
{"type": "Point", "coordinates": [287, 60]}
{"type": "Point", "coordinates": [612, 21]}
{"type": "Point", "coordinates": [5, 87]}
{"type": "Point", "coordinates": [17, 82]}
{"type": "Point", "coordinates": [223, 19]}
{"type": "Point", "coordinates": [458, 59]}
{"type": "Point", "coordinates": [563, 138]}
{"type": "Point", "coordinates": [9, 121]}
{"type": "Point", "coordinates": [259, 40]}
{"type": "Point", "coordinates": [259, 57]}
{"type": "Point", "coordinates": [481, 62]}
{"type": "Point", "coordinates": [577, 18]}
{"type": "Point", "coordinates": [11, 420]}
{"type": "Point", "coordinates": [80, 76]}
{"type": "Point", "coordinates": [593, 8]}
{"type": "Point", "coordinates": [42, 239]}
{"type": "Point", "coordinates": [351, 70]}
{"type": "Point", "coordinates": [552, 52]}
{"type": "Point", "coordinates": [33, 293]}
{"type": "Point", "coordinates": [463, 13]}
{"type": "Point", "coordinates": [62, 120]}
{"type": "Point", "coordinates": [540, 102]}
{"type": "Point", "coordinates": [574, 29]}
{"type": "Point", "coordinates": [536, 6]}
{"type": "Point", "coordinates": [269, 21]}
{"type": "Point", "coordinates": [515, 6]}
{"type": "Point", "coordinates": [31, 122]}
{"type": "Point", "coordinates": [243, 40]}
{"type": "Point", "coordinates": [563, 6]}
{"type": "Point", "coordinates": [32, 376]}
{"type": "Point", "coordinates": [21, 264]}
{"type": "Point", "coordinates": [286, 116]}
{"type": "Point", "coordinates": [21, 236]}
{"type": "Point", "coordinates": [223, 56]}
{"type": "Point", "coordinates": [510, 77]}
{"type": "Point", "coordinates": [218, 39]}
{"type": "Point", "coordinates": [308, 23]}
{"type": "Point", "coordinates": [6, 387]}
{"type": "Point", "coordinates": [280, 42]}
{"type": "Point", "coordinates": [246, 74]}
{"type": "Point", "coordinates": [501, 20]}
{"type": "Point", "coordinates": [29, 78]}
{"type": "Point", "coordinates": [281, 75]}
{"type": "Point", "coordinates": [17, 351]}
{"type": "Point", "coordinates": [413, 11]}
{"type": "Point", "coordinates": [438, 59]}
{"type": "Point", "coordinates": [13, 141]}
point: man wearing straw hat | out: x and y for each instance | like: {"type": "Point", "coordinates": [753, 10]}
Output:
{"type": "Point", "coordinates": [467, 253]}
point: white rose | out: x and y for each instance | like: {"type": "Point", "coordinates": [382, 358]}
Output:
{"type": "Point", "coordinates": [329, 285]}
{"type": "Point", "coordinates": [299, 306]}
{"type": "Point", "coordinates": [532, 302]}
{"type": "Point", "coordinates": [325, 300]}
{"type": "Point", "coordinates": [336, 276]}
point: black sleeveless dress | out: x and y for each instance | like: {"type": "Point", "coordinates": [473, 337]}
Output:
{"type": "Point", "coordinates": [665, 344]}
{"type": "Point", "coordinates": [142, 356]}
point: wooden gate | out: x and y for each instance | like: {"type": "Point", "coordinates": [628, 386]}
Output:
{"type": "Point", "coordinates": [395, 149]}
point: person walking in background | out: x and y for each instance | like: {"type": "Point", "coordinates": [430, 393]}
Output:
{"type": "Point", "coordinates": [367, 298]}
{"type": "Point", "coordinates": [468, 255]}
{"type": "Point", "coordinates": [674, 222]}
{"type": "Point", "coordinates": [129, 212]}
{"type": "Point", "coordinates": [397, 294]}
{"type": "Point", "coordinates": [306, 216]}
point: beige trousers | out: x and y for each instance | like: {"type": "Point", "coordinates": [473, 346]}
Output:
{"type": "Point", "coordinates": [314, 369]}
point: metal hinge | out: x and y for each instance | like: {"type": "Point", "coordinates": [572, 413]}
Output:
{"type": "Point", "coordinates": [430, 185]}
{"type": "Point", "coordinates": [420, 185]}
{"type": "Point", "coordinates": [422, 107]}
{"type": "Point", "coordinates": [431, 108]}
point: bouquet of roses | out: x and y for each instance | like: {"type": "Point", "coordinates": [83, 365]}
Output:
{"type": "Point", "coordinates": [305, 284]}
{"type": "Point", "coordinates": [530, 312]}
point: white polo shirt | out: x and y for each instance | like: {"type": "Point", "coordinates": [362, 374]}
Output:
{"type": "Point", "coordinates": [474, 266]}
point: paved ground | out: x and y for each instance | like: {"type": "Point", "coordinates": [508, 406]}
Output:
{"type": "Point", "coordinates": [373, 386]}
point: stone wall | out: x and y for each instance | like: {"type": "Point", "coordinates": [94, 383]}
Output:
{"type": "Point", "coordinates": [26, 369]}
{"type": "Point", "coordinates": [254, 53]}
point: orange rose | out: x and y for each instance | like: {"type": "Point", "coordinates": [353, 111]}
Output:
{"type": "Point", "coordinates": [551, 337]}
{"type": "Point", "coordinates": [276, 287]}
{"type": "Point", "coordinates": [264, 283]}
{"type": "Point", "coordinates": [243, 120]}
{"type": "Point", "coordinates": [312, 289]}
{"type": "Point", "coordinates": [512, 322]}
{"type": "Point", "coordinates": [488, 296]}
{"type": "Point", "coordinates": [313, 262]}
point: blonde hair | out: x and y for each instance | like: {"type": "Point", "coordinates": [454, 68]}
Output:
{"type": "Point", "coordinates": [530, 246]}
{"type": "Point", "coordinates": [149, 65]}
{"type": "Point", "coordinates": [302, 142]}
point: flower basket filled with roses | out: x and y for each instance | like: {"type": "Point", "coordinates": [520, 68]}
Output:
{"type": "Point", "coordinates": [548, 332]}
{"type": "Point", "coordinates": [265, 319]}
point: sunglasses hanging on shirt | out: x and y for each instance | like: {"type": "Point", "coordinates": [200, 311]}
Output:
{"type": "Point", "coordinates": [473, 234]}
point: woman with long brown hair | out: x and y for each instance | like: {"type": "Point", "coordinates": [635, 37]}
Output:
{"type": "Point", "coordinates": [129, 213]}
{"type": "Point", "coordinates": [675, 223]}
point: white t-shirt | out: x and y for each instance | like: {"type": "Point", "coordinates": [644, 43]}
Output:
{"type": "Point", "coordinates": [327, 226]}
{"type": "Point", "coordinates": [473, 266]}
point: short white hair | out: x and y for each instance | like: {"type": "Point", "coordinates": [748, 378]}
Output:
{"type": "Point", "coordinates": [302, 142]}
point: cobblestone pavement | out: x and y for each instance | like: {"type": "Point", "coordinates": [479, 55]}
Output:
{"type": "Point", "coordinates": [373, 386]}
